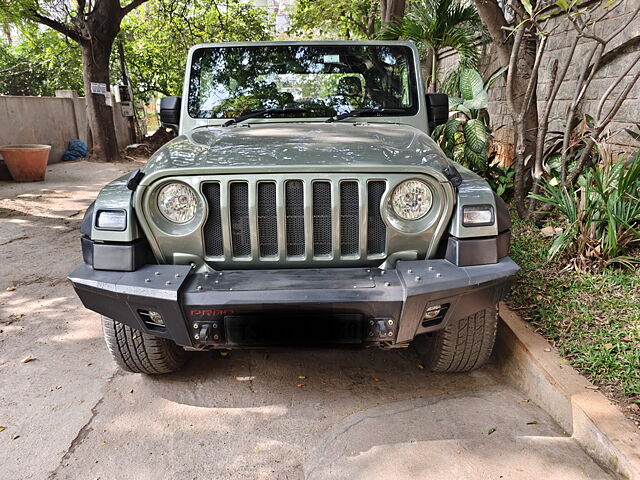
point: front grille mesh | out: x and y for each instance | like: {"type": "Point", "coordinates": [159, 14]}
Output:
{"type": "Point", "coordinates": [377, 230]}
{"type": "Point", "coordinates": [213, 227]}
{"type": "Point", "coordinates": [342, 224]}
{"type": "Point", "coordinates": [294, 207]}
{"type": "Point", "coordinates": [321, 218]}
{"type": "Point", "coordinates": [239, 217]}
{"type": "Point", "coordinates": [349, 218]}
{"type": "Point", "coordinates": [267, 219]}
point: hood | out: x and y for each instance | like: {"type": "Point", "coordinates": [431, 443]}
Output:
{"type": "Point", "coordinates": [307, 146]}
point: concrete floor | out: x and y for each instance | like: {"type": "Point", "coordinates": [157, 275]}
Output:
{"type": "Point", "coordinates": [279, 414]}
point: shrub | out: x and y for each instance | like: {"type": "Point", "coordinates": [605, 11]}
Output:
{"type": "Point", "coordinates": [600, 215]}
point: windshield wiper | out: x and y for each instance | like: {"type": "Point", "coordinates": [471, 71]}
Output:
{"type": "Point", "coordinates": [362, 111]}
{"type": "Point", "coordinates": [262, 112]}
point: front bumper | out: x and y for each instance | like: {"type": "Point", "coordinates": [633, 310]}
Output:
{"type": "Point", "coordinates": [324, 306]}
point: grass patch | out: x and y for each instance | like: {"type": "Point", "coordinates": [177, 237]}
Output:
{"type": "Point", "coordinates": [592, 318]}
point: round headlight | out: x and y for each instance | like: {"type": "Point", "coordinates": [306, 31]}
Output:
{"type": "Point", "coordinates": [411, 200]}
{"type": "Point", "coordinates": [177, 202]}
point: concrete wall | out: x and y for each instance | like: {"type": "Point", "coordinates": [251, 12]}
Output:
{"type": "Point", "coordinates": [51, 121]}
{"type": "Point", "coordinates": [558, 48]}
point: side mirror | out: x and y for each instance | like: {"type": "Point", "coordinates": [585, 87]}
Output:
{"type": "Point", "coordinates": [170, 112]}
{"type": "Point", "coordinates": [437, 109]}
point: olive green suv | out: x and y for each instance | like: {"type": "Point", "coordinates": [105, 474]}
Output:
{"type": "Point", "coordinates": [302, 203]}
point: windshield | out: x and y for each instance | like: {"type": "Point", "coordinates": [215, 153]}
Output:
{"type": "Point", "coordinates": [324, 80]}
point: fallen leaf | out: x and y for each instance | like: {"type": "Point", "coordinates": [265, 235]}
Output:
{"type": "Point", "coordinates": [491, 430]}
{"type": "Point", "coordinates": [376, 379]}
{"type": "Point", "coordinates": [131, 391]}
{"type": "Point", "coordinates": [434, 411]}
{"type": "Point", "coordinates": [301, 377]}
{"type": "Point", "coordinates": [15, 437]}
{"type": "Point", "coordinates": [2, 427]}
{"type": "Point", "coordinates": [300, 385]}
{"type": "Point", "coordinates": [28, 359]}
{"type": "Point", "coordinates": [608, 346]}
{"type": "Point", "coordinates": [547, 349]}
{"type": "Point", "coordinates": [592, 387]}
{"type": "Point", "coordinates": [10, 289]}
{"type": "Point", "coordinates": [89, 364]}
{"type": "Point", "coordinates": [420, 366]}
{"type": "Point", "coordinates": [525, 400]}
{"type": "Point", "coordinates": [535, 422]}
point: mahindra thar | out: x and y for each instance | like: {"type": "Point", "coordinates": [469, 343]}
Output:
{"type": "Point", "coordinates": [302, 203]}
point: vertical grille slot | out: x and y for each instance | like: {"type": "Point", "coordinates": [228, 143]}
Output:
{"type": "Point", "coordinates": [376, 229]}
{"type": "Point", "coordinates": [349, 218]}
{"type": "Point", "coordinates": [321, 218]}
{"type": "Point", "coordinates": [267, 219]}
{"type": "Point", "coordinates": [294, 210]}
{"type": "Point", "coordinates": [239, 217]}
{"type": "Point", "coordinates": [213, 228]}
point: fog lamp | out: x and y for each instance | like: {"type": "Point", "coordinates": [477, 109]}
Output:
{"type": "Point", "coordinates": [151, 317]}
{"type": "Point", "coordinates": [432, 312]}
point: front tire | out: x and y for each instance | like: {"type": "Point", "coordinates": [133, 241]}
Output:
{"type": "Point", "coordinates": [463, 345]}
{"type": "Point", "coordinates": [137, 352]}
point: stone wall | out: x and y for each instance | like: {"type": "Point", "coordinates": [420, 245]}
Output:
{"type": "Point", "coordinates": [50, 121]}
{"type": "Point", "coordinates": [559, 48]}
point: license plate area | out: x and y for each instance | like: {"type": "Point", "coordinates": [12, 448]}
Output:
{"type": "Point", "coordinates": [294, 330]}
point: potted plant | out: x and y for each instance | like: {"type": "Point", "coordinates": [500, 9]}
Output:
{"type": "Point", "coordinates": [26, 163]}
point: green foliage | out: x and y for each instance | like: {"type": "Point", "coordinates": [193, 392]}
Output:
{"type": "Point", "coordinates": [332, 19]}
{"type": "Point", "coordinates": [466, 137]}
{"type": "Point", "coordinates": [158, 35]}
{"type": "Point", "coordinates": [600, 215]}
{"type": "Point", "coordinates": [156, 38]}
{"type": "Point", "coordinates": [592, 318]}
{"type": "Point", "coordinates": [436, 24]}
{"type": "Point", "coordinates": [39, 63]}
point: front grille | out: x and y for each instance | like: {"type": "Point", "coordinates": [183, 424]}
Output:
{"type": "Point", "coordinates": [239, 217]}
{"type": "Point", "coordinates": [295, 219]}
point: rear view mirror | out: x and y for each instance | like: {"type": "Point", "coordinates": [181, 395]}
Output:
{"type": "Point", "coordinates": [437, 109]}
{"type": "Point", "coordinates": [170, 112]}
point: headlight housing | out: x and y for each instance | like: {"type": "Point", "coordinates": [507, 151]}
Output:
{"type": "Point", "coordinates": [411, 199]}
{"type": "Point", "coordinates": [177, 202]}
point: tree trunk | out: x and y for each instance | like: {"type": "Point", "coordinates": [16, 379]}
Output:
{"type": "Point", "coordinates": [391, 11]}
{"type": "Point", "coordinates": [95, 68]}
{"type": "Point", "coordinates": [493, 18]}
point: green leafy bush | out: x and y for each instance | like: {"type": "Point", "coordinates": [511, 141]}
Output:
{"type": "Point", "coordinates": [466, 137]}
{"type": "Point", "coordinates": [600, 216]}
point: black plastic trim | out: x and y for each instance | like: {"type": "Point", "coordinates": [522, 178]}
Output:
{"type": "Point", "coordinates": [185, 299]}
{"type": "Point", "coordinates": [87, 220]}
{"type": "Point", "coordinates": [122, 257]}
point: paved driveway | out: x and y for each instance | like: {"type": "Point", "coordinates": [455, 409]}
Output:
{"type": "Point", "coordinates": [279, 414]}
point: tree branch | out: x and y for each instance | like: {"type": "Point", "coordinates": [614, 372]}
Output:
{"type": "Point", "coordinates": [132, 6]}
{"type": "Point", "coordinates": [57, 26]}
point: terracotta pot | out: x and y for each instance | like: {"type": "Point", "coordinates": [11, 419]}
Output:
{"type": "Point", "coordinates": [26, 163]}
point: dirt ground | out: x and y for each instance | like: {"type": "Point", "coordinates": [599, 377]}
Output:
{"type": "Point", "coordinates": [68, 413]}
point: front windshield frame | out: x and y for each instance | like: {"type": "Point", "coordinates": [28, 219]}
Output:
{"type": "Point", "coordinates": [408, 94]}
